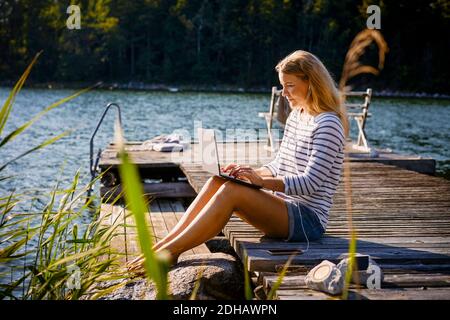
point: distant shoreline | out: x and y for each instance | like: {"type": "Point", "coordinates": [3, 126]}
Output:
{"type": "Point", "coordinates": [141, 86]}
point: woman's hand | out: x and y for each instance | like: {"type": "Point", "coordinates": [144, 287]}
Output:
{"type": "Point", "coordinates": [229, 167]}
{"type": "Point", "coordinates": [244, 172]}
{"type": "Point", "coordinates": [136, 266]}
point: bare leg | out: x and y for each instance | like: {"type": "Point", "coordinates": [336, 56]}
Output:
{"type": "Point", "coordinates": [265, 211]}
{"type": "Point", "coordinates": [209, 189]}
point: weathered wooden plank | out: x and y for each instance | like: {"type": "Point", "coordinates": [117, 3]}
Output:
{"type": "Point", "coordinates": [157, 221]}
{"type": "Point", "coordinates": [262, 260]}
{"type": "Point", "coordinates": [367, 294]}
{"type": "Point", "coordinates": [125, 239]}
{"type": "Point", "coordinates": [258, 237]}
{"type": "Point", "coordinates": [170, 219]}
{"type": "Point", "coordinates": [329, 240]}
{"type": "Point", "coordinates": [344, 245]}
{"type": "Point", "coordinates": [406, 280]}
{"type": "Point", "coordinates": [154, 190]}
{"type": "Point", "coordinates": [343, 234]}
{"type": "Point", "coordinates": [169, 216]}
{"type": "Point", "coordinates": [332, 229]}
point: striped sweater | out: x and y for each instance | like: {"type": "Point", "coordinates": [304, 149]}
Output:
{"type": "Point", "coordinates": [310, 160]}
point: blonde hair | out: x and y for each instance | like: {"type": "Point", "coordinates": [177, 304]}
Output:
{"type": "Point", "coordinates": [323, 95]}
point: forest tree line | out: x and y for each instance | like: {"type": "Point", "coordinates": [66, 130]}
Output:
{"type": "Point", "coordinates": [220, 42]}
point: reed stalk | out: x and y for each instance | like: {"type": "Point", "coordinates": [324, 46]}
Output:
{"type": "Point", "coordinates": [351, 68]}
{"type": "Point", "coordinates": [156, 265]}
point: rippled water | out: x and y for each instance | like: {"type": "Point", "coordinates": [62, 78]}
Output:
{"type": "Point", "coordinates": [419, 127]}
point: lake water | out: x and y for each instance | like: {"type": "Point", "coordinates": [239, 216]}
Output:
{"type": "Point", "coordinates": [409, 126]}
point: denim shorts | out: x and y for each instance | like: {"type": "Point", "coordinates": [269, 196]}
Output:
{"type": "Point", "coordinates": [302, 220]}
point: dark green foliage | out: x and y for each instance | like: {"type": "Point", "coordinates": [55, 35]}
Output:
{"type": "Point", "coordinates": [214, 42]}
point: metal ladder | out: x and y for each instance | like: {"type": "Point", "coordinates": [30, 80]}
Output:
{"type": "Point", "coordinates": [93, 165]}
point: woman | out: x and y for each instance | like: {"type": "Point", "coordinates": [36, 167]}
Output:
{"type": "Point", "coordinates": [301, 179]}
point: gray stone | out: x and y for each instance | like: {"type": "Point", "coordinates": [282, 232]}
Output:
{"type": "Point", "coordinates": [221, 277]}
{"type": "Point", "coordinates": [221, 244]}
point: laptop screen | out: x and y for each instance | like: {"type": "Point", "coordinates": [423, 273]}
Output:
{"type": "Point", "coordinates": [208, 149]}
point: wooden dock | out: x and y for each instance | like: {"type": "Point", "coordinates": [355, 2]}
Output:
{"type": "Point", "coordinates": [402, 219]}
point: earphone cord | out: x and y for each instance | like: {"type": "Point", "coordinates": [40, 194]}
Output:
{"type": "Point", "coordinates": [296, 203]}
{"type": "Point", "coordinates": [304, 232]}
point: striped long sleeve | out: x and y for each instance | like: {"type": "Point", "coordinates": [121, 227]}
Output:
{"type": "Point", "coordinates": [327, 140]}
{"type": "Point", "coordinates": [310, 160]}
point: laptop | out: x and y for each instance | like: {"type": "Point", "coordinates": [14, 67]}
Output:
{"type": "Point", "coordinates": [208, 145]}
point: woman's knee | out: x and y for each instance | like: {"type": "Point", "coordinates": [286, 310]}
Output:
{"type": "Point", "coordinates": [230, 190]}
{"type": "Point", "coordinates": [215, 181]}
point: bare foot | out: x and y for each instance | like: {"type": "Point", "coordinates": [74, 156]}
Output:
{"type": "Point", "coordinates": [137, 265]}
{"type": "Point", "coordinates": [135, 260]}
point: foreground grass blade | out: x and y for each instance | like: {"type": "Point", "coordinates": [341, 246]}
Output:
{"type": "Point", "coordinates": [6, 253]}
{"type": "Point", "coordinates": [23, 127]}
{"type": "Point", "coordinates": [350, 266]}
{"type": "Point", "coordinates": [134, 197]}
{"type": "Point", "coordinates": [7, 106]}
{"type": "Point", "coordinates": [42, 145]}
{"type": "Point", "coordinates": [198, 282]}
{"type": "Point", "coordinates": [247, 285]}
